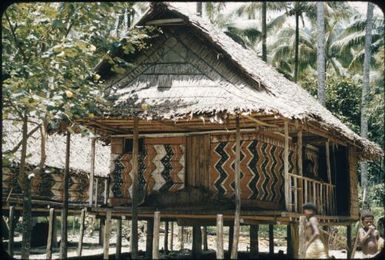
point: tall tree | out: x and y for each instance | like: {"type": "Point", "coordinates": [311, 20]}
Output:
{"type": "Point", "coordinates": [364, 97]}
{"type": "Point", "coordinates": [199, 8]}
{"type": "Point", "coordinates": [49, 52]}
{"type": "Point", "coordinates": [264, 48]}
{"type": "Point", "coordinates": [321, 52]}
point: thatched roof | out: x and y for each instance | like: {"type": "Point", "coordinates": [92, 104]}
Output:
{"type": "Point", "coordinates": [258, 88]}
{"type": "Point", "coordinates": [80, 159]}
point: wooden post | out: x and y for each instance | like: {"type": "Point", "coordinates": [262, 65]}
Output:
{"type": "Point", "coordinates": [106, 235]}
{"type": "Point", "coordinates": [80, 245]}
{"type": "Point", "coordinates": [349, 241]}
{"type": "Point", "coordinates": [219, 251]}
{"type": "Point", "coordinates": [96, 192]}
{"type": "Point", "coordinates": [197, 241]}
{"type": "Point", "coordinates": [271, 238]}
{"type": "Point", "coordinates": [172, 236]}
{"type": "Point", "coordinates": [63, 243]}
{"type": "Point", "coordinates": [11, 230]}
{"type": "Point", "coordinates": [231, 237]}
{"type": "Point", "coordinates": [92, 173]}
{"type": "Point", "coordinates": [102, 222]}
{"type": "Point", "coordinates": [234, 251]}
{"type": "Point", "coordinates": [134, 215]}
{"type": "Point", "coordinates": [301, 237]}
{"type": "Point", "coordinates": [155, 239]}
{"type": "Point", "coordinates": [204, 238]}
{"type": "Point", "coordinates": [286, 167]}
{"type": "Point", "coordinates": [105, 193]}
{"type": "Point", "coordinates": [149, 238]}
{"type": "Point", "coordinates": [300, 190]}
{"type": "Point", "coordinates": [328, 168]}
{"type": "Point", "coordinates": [51, 227]}
{"type": "Point", "coordinates": [118, 238]}
{"type": "Point", "coordinates": [254, 246]}
{"type": "Point", "coordinates": [292, 240]}
{"type": "Point", "coordinates": [165, 237]}
{"type": "Point", "coordinates": [181, 238]}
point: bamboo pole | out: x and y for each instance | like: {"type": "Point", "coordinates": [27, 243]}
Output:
{"type": "Point", "coordinates": [172, 236]}
{"type": "Point", "coordinates": [300, 170]}
{"type": "Point", "coordinates": [204, 238]}
{"type": "Point", "coordinates": [149, 238]}
{"type": "Point", "coordinates": [301, 237]}
{"type": "Point", "coordinates": [231, 237]}
{"type": "Point", "coordinates": [106, 235]}
{"type": "Point", "coordinates": [80, 245]}
{"type": "Point", "coordinates": [105, 193]}
{"type": "Point", "coordinates": [51, 227]}
{"type": "Point", "coordinates": [64, 225]}
{"type": "Point", "coordinates": [328, 168]}
{"type": "Point", "coordinates": [219, 251]}
{"type": "Point", "coordinates": [165, 237]}
{"type": "Point", "coordinates": [349, 241]}
{"type": "Point", "coordinates": [134, 215]}
{"type": "Point", "coordinates": [92, 173]}
{"type": "Point", "coordinates": [181, 237]}
{"type": "Point", "coordinates": [155, 239]}
{"type": "Point", "coordinates": [102, 222]}
{"type": "Point", "coordinates": [11, 230]}
{"type": "Point", "coordinates": [234, 251]}
{"type": "Point", "coordinates": [197, 241]}
{"type": "Point", "coordinates": [96, 192]}
{"type": "Point", "coordinates": [286, 166]}
{"type": "Point", "coordinates": [355, 240]}
{"type": "Point", "coordinates": [118, 238]}
{"type": "Point", "coordinates": [254, 244]}
{"type": "Point", "coordinates": [271, 239]}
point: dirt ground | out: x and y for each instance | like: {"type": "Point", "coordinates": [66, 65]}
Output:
{"type": "Point", "coordinates": [91, 247]}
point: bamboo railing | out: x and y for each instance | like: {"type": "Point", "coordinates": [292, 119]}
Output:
{"type": "Point", "coordinates": [322, 194]}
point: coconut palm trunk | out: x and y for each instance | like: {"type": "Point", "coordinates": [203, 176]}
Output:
{"type": "Point", "coordinates": [199, 8]}
{"type": "Point", "coordinates": [364, 97]}
{"type": "Point", "coordinates": [296, 54]}
{"type": "Point", "coordinates": [264, 49]}
{"type": "Point", "coordinates": [321, 52]}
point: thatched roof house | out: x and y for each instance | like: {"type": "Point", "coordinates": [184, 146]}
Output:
{"type": "Point", "coordinates": [240, 82]}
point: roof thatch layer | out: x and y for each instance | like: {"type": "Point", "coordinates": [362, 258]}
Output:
{"type": "Point", "coordinates": [80, 159]}
{"type": "Point", "coordinates": [248, 85]}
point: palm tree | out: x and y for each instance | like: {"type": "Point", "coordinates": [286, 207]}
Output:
{"type": "Point", "coordinates": [365, 90]}
{"type": "Point", "coordinates": [250, 10]}
{"type": "Point", "coordinates": [199, 8]}
{"type": "Point", "coordinates": [321, 52]}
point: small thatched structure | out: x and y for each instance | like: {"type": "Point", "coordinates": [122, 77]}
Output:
{"type": "Point", "coordinates": [49, 184]}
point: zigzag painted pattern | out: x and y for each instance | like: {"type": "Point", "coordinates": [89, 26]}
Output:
{"type": "Point", "coordinates": [261, 167]}
{"type": "Point", "coordinates": [161, 168]}
{"type": "Point", "coordinates": [48, 184]}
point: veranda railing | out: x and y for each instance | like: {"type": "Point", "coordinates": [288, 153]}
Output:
{"type": "Point", "coordinates": [322, 194]}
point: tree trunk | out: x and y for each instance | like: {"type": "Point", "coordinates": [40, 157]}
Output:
{"type": "Point", "coordinates": [27, 216]}
{"type": "Point", "coordinates": [296, 54]}
{"type": "Point", "coordinates": [64, 225]}
{"type": "Point", "coordinates": [364, 98]}
{"type": "Point", "coordinates": [134, 218]}
{"type": "Point", "coordinates": [321, 52]}
{"type": "Point", "coordinates": [199, 9]}
{"type": "Point", "coordinates": [234, 250]}
{"type": "Point", "coordinates": [264, 35]}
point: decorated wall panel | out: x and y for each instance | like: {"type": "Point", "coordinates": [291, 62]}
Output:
{"type": "Point", "coordinates": [47, 185]}
{"type": "Point", "coordinates": [161, 168]}
{"type": "Point", "coordinates": [262, 167]}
